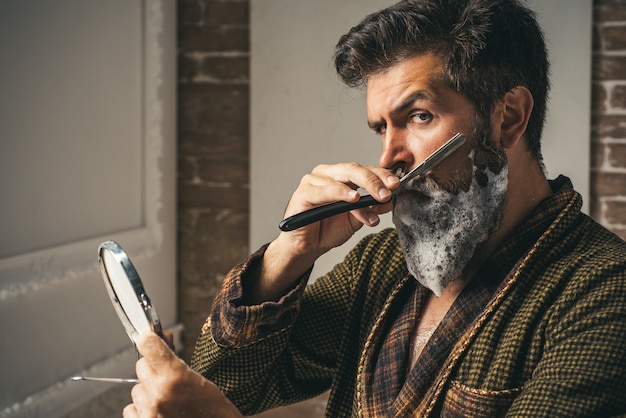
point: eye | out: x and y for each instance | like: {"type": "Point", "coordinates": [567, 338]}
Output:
{"type": "Point", "coordinates": [420, 117]}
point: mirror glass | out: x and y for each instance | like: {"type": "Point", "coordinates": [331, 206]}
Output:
{"type": "Point", "coordinates": [126, 291]}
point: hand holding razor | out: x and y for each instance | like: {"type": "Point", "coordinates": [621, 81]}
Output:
{"type": "Point", "coordinates": [322, 212]}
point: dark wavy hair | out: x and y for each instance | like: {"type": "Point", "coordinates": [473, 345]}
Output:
{"type": "Point", "coordinates": [488, 48]}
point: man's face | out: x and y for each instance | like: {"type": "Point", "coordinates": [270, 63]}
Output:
{"type": "Point", "coordinates": [441, 219]}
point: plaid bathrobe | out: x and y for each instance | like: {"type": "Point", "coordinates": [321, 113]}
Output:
{"type": "Point", "coordinates": [540, 331]}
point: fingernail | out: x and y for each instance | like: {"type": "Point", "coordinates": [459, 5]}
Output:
{"type": "Point", "coordinates": [384, 193]}
{"type": "Point", "coordinates": [372, 219]}
{"type": "Point", "coordinates": [392, 179]}
{"type": "Point", "coordinates": [353, 194]}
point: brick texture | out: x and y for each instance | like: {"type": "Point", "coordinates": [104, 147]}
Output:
{"type": "Point", "coordinates": [213, 135]}
{"type": "Point", "coordinates": [608, 134]}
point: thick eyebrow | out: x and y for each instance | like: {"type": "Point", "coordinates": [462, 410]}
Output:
{"type": "Point", "coordinates": [375, 125]}
{"type": "Point", "coordinates": [409, 100]}
{"type": "Point", "coordinates": [401, 107]}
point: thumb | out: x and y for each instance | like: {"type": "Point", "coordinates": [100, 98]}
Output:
{"type": "Point", "coordinates": [154, 349]}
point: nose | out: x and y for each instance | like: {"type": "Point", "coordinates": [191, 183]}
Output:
{"type": "Point", "coordinates": [395, 153]}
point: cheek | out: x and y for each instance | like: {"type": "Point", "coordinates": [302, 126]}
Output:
{"type": "Point", "coordinates": [456, 177]}
{"type": "Point", "coordinates": [489, 159]}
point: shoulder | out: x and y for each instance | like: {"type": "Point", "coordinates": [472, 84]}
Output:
{"type": "Point", "coordinates": [596, 251]}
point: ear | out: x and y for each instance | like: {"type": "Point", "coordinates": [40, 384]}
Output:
{"type": "Point", "coordinates": [516, 108]}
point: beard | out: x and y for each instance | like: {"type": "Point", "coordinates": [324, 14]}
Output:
{"type": "Point", "coordinates": [439, 229]}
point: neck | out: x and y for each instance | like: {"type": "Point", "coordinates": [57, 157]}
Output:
{"type": "Point", "coordinates": [528, 186]}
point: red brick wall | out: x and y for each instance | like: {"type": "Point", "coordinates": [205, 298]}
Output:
{"type": "Point", "coordinates": [608, 136]}
{"type": "Point", "coordinates": [213, 132]}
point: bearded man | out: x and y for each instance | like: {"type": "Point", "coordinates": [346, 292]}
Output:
{"type": "Point", "coordinates": [493, 295]}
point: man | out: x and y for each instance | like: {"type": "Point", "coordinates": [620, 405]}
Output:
{"type": "Point", "coordinates": [494, 295]}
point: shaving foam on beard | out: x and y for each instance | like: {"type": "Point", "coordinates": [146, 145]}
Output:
{"type": "Point", "coordinates": [440, 231]}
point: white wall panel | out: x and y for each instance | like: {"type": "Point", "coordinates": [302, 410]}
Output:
{"type": "Point", "coordinates": [87, 154]}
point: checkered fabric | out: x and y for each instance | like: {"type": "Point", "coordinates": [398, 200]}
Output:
{"type": "Point", "coordinates": [550, 341]}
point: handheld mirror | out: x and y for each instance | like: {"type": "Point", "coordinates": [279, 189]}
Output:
{"type": "Point", "coordinates": [129, 298]}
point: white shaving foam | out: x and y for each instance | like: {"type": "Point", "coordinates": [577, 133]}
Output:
{"type": "Point", "coordinates": [440, 231]}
